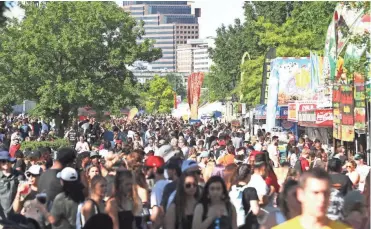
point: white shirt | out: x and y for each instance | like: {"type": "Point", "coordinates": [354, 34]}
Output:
{"type": "Point", "coordinates": [82, 146]}
{"type": "Point", "coordinates": [273, 154]}
{"type": "Point", "coordinates": [259, 184]}
{"type": "Point", "coordinates": [363, 171]}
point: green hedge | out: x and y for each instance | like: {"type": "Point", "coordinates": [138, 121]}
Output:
{"type": "Point", "coordinates": [56, 144]}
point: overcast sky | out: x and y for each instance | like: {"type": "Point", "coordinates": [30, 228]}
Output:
{"type": "Point", "coordinates": [213, 14]}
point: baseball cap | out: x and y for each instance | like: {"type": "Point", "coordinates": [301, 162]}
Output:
{"type": "Point", "coordinates": [4, 155]}
{"type": "Point", "coordinates": [221, 143]}
{"type": "Point", "coordinates": [94, 154]}
{"type": "Point", "coordinates": [358, 156]}
{"type": "Point", "coordinates": [68, 174]}
{"type": "Point", "coordinates": [154, 161]}
{"type": "Point", "coordinates": [35, 155]}
{"type": "Point", "coordinates": [188, 164]}
{"type": "Point", "coordinates": [34, 170]}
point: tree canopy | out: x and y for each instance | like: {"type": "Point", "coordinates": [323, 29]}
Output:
{"type": "Point", "coordinates": [176, 83]}
{"type": "Point", "coordinates": [65, 55]}
{"type": "Point", "coordinates": [159, 96]}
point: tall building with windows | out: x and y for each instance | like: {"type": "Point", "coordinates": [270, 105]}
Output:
{"type": "Point", "coordinates": [169, 23]}
{"type": "Point", "coordinates": [194, 56]}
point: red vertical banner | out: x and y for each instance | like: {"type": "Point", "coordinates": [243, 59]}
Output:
{"type": "Point", "coordinates": [175, 101]}
{"type": "Point", "coordinates": [195, 81]}
{"type": "Point", "coordinates": [336, 98]}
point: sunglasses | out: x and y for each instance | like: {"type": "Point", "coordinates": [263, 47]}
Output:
{"type": "Point", "coordinates": [189, 185]}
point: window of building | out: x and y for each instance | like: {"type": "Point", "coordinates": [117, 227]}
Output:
{"type": "Point", "coordinates": [181, 27]}
{"type": "Point", "coordinates": [177, 27]}
{"type": "Point", "coordinates": [196, 37]}
{"type": "Point", "coordinates": [193, 37]}
{"type": "Point", "coordinates": [181, 37]}
{"type": "Point", "coordinates": [189, 32]}
{"type": "Point", "coordinates": [189, 27]}
{"type": "Point", "coordinates": [196, 32]}
{"type": "Point", "coordinates": [193, 27]}
{"type": "Point", "coordinates": [189, 37]}
{"type": "Point", "coordinates": [177, 37]}
{"type": "Point", "coordinates": [193, 32]}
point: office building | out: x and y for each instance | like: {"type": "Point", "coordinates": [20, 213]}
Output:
{"type": "Point", "coordinates": [169, 23]}
{"type": "Point", "coordinates": [194, 56]}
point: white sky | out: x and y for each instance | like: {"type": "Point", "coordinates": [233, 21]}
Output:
{"type": "Point", "coordinates": [214, 13]}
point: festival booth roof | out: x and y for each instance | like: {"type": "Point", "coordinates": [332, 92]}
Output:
{"type": "Point", "coordinates": [214, 109]}
{"type": "Point", "coordinates": [181, 111]}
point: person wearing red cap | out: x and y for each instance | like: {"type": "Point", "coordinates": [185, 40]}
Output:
{"type": "Point", "coordinates": [155, 172]}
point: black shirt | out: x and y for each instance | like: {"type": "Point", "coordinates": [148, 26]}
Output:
{"type": "Point", "coordinates": [341, 182]}
{"type": "Point", "coordinates": [251, 220]}
{"type": "Point", "coordinates": [50, 184]}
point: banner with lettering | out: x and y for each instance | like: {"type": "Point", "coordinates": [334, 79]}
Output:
{"type": "Point", "coordinates": [359, 102]}
{"type": "Point", "coordinates": [347, 113]}
{"type": "Point", "coordinates": [336, 95]}
{"type": "Point", "coordinates": [324, 117]}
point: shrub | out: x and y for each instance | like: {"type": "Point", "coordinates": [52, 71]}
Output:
{"type": "Point", "coordinates": [56, 144]}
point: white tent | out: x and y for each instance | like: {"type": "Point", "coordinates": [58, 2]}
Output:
{"type": "Point", "coordinates": [209, 108]}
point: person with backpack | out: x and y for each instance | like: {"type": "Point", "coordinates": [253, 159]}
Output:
{"type": "Point", "coordinates": [245, 199]}
{"type": "Point", "coordinates": [94, 205]}
{"type": "Point", "coordinates": [302, 164]}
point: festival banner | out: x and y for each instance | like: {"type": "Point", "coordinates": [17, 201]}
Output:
{"type": "Point", "coordinates": [336, 104]}
{"type": "Point", "coordinates": [324, 117]}
{"type": "Point", "coordinates": [359, 102]}
{"type": "Point", "coordinates": [195, 81]}
{"type": "Point", "coordinates": [347, 113]}
{"type": "Point", "coordinates": [289, 80]}
{"type": "Point", "coordinates": [292, 116]}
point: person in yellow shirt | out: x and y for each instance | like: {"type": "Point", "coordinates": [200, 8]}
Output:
{"type": "Point", "coordinates": [314, 195]}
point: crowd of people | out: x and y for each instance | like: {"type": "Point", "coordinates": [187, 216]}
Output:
{"type": "Point", "coordinates": [161, 172]}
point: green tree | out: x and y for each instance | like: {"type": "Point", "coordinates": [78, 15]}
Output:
{"type": "Point", "coordinates": [65, 55]}
{"type": "Point", "coordinates": [159, 98]}
{"type": "Point", "coordinates": [229, 48]}
{"type": "Point", "coordinates": [176, 83]}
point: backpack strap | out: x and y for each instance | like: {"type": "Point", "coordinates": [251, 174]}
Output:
{"type": "Point", "coordinates": [96, 206]}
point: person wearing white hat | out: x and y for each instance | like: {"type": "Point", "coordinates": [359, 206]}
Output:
{"type": "Point", "coordinates": [64, 208]}
{"type": "Point", "coordinates": [28, 190]}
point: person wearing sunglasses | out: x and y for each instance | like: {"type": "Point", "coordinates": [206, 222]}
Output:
{"type": "Point", "coordinates": [180, 212]}
{"type": "Point", "coordinates": [351, 172]}
{"type": "Point", "coordinates": [9, 180]}
{"type": "Point", "coordinates": [28, 190]}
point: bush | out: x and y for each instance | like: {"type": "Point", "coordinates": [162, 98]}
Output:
{"type": "Point", "coordinates": [56, 144]}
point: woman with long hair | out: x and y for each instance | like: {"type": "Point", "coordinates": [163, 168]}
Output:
{"type": "Point", "coordinates": [143, 191]}
{"type": "Point", "coordinates": [180, 213]}
{"type": "Point", "coordinates": [229, 175]}
{"type": "Point", "coordinates": [214, 208]}
{"type": "Point", "coordinates": [65, 204]}
{"type": "Point", "coordinates": [91, 172]}
{"type": "Point", "coordinates": [352, 173]}
{"type": "Point", "coordinates": [250, 199]}
{"type": "Point", "coordinates": [94, 205]}
{"type": "Point", "coordinates": [124, 204]}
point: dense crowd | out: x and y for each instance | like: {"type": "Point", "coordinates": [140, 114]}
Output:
{"type": "Point", "coordinates": [161, 172]}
